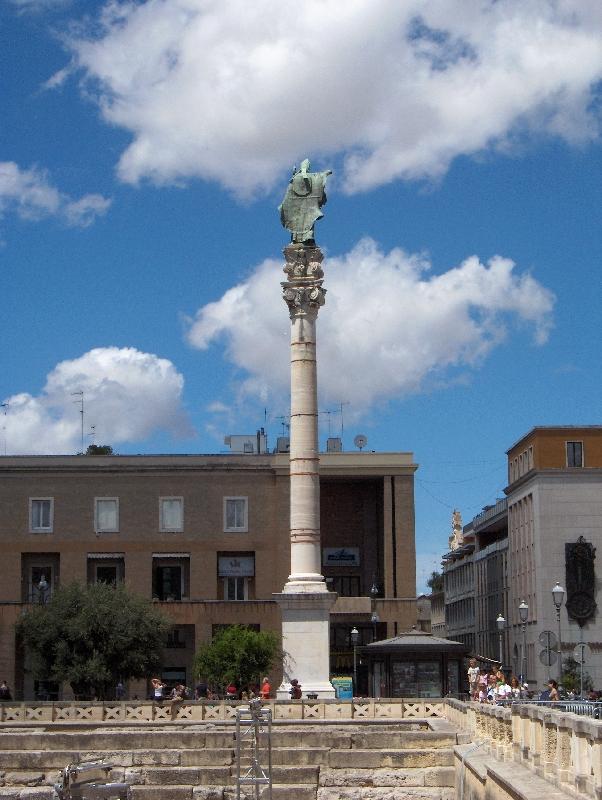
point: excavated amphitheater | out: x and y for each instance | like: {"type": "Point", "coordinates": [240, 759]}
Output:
{"type": "Point", "coordinates": [426, 751]}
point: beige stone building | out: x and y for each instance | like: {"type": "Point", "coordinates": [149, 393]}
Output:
{"type": "Point", "coordinates": [206, 537]}
{"type": "Point", "coordinates": [517, 549]}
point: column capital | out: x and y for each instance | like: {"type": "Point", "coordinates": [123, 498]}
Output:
{"type": "Point", "coordinates": [303, 292]}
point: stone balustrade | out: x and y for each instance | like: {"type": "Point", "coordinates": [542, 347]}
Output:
{"type": "Point", "coordinates": [148, 712]}
{"type": "Point", "coordinates": [563, 748]}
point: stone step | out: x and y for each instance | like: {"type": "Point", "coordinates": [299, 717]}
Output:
{"type": "Point", "coordinates": [373, 759]}
{"type": "Point", "coordinates": [300, 755]}
{"type": "Point", "coordinates": [383, 793]}
{"type": "Point", "coordinates": [281, 792]}
{"type": "Point", "coordinates": [205, 776]}
{"type": "Point", "coordinates": [57, 759]}
{"type": "Point", "coordinates": [395, 777]}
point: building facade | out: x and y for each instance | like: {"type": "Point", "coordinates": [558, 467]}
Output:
{"type": "Point", "coordinates": [554, 497]}
{"type": "Point", "coordinates": [516, 550]}
{"type": "Point", "coordinates": [206, 538]}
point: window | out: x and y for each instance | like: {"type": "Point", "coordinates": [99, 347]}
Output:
{"type": "Point", "coordinates": [236, 588]}
{"type": "Point", "coordinates": [39, 576]}
{"type": "Point", "coordinates": [176, 639]}
{"type": "Point", "coordinates": [235, 514]}
{"type": "Point", "coordinates": [574, 454]}
{"type": "Point", "coordinates": [171, 513]}
{"type": "Point", "coordinates": [171, 576]}
{"type": "Point", "coordinates": [237, 571]}
{"type": "Point", "coordinates": [345, 585]}
{"type": "Point", "coordinates": [106, 515]}
{"type": "Point", "coordinates": [41, 513]}
{"type": "Point", "coordinates": [106, 568]}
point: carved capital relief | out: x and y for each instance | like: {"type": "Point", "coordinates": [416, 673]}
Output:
{"type": "Point", "coordinates": [303, 298]}
{"type": "Point", "coordinates": [303, 262]}
{"type": "Point", "coordinates": [303, 292]}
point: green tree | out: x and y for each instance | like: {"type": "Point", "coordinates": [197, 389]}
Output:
{"type": "Point", "coordinates": [99, 450]}
{"type": "Point", "coordinates": [237, 654]}
{"type": "Point", "coordinates": [571, 676]}
{"type": "Point", "coordinates": [435, 582]}
{"type": "Point", "coordinates": [93, 636]}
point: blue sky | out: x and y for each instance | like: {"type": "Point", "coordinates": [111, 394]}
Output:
{"type": "Point", "coordinates": [145, 147]}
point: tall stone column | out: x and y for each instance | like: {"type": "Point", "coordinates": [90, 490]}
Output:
{"type": "Point", "coordinates": [305, 602]}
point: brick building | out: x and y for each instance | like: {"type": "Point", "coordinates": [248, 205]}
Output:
{"type": "Point", "coordinates": [206, 537]}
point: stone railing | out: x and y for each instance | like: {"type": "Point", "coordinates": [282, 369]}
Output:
{"type": "Point", "coordinates": [563, 748]}
{"type": "Point", "coordinates": [149, 712]}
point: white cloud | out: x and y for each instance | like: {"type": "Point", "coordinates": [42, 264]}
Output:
{"type": "Point", "coordinates": [29, 193]}
{"type": "Point", "coordinates": [388, 326]}
{"type": "Point", "coordinates": [128, 395]}
{"type": "Point", "coordinates": [236, 92]}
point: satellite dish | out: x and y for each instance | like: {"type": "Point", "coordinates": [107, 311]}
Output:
{"type": "Point", "coordinates": [360, 441]}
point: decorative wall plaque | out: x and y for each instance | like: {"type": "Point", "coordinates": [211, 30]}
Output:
{"type": "Point", "coordinates": [580, 580]}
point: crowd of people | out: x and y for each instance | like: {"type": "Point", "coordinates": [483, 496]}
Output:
{"type": "Point", "coordinates": [493, 686]}
{"type": "Point", "coordinates": [161, 693]}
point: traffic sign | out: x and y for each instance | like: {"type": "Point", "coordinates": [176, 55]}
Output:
{"type": "Point", "coordinates": [582, 653]}
{"type": "Point", "coordinates": [548, 639]}
{"type": "Point", "coordinates": [548, 657]}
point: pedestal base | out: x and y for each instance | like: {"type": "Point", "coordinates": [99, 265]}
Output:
{"type": "Point", "coordinates": [306, 642]}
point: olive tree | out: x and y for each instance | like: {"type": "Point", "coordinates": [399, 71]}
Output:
{"type": "Point", "coordinates": [237, 654]}
{"type": "Point", "coordinates": [93, 636]}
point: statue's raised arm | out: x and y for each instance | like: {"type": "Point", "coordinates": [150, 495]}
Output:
{"type": "Point", "coordinates": [305, 196]}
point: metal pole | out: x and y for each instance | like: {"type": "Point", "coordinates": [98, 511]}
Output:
{"type": "Point", "coordinates": [524, 654]}
{"type": "Point", "coordinates": [501, 651]}
{"type": "Point", "coordinates": [559, 647]}
{"type": "Point", "coordinates": [355, 670]}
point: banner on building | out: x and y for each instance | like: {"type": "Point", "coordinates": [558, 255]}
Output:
{"type": "Point", "coordinates": [341, 557]}
{"type": "Point", "coordinates": [236, 566]}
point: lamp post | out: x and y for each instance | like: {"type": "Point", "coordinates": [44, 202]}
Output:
{"type": "Point", "coordinates": [523, 612]}
{"type": "Point", "coordinates": [501, 622]}
{"type": "Point", "coordinates": [374, 619]}
{"type": "Point", "coordinates": [355, 637]}
{"type": "Point", "coordinates": [42, 590]}
{"type": "Point", "coordinates": [558, 597]}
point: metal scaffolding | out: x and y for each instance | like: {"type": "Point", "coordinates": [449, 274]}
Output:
{"type": "Point", "coordinates": [254, 746]}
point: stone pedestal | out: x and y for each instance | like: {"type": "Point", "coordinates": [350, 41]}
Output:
{"type": "Point", "coordinates": [305, 641]}
{"type": "Point", "coordinates": [305, 601]}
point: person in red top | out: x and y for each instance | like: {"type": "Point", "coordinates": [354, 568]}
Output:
{"type": "Point", "coordinates": [232, 691]}
{"type": "Point", "coordinates": [265, 689]}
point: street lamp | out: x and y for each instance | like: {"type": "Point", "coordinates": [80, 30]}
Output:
{"type": "Point", "coordinates": [374, 619]}
{"type": "Point", "coordinates": [523, 613]}
{"type": "Point", "coordinates": [355, 637]}
{"type": "Point", "coordinates": [558, 597]}
{"type": "Point", "coordinates": [42, 590]}
{"type": "Point", "coordinates": [501, 622]}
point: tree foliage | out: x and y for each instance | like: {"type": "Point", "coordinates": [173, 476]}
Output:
{"type": "Point", "coordinates": [237, 654]}
{"type": "Point", "coordinates": [435, 582]}
{"type": "Point", "coordinates": [92, 637]}
{"type": "Point", "coordinates": [99, 450]}
{"type": "Point", "coordinates": [571, 676]}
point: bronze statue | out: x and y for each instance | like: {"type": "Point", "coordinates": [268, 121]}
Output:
{"type": "Point", "coordinates": [305, 196]}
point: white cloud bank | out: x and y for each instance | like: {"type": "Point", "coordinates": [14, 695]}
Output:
{"type": "Point", "coordinates": [29, 194]}
{"type": "Point", "coordinates": [387, 327]}
{"type": "Point", "coordinates": [237, 91]}
{"type": "Point", "coordinates": [128, 395]}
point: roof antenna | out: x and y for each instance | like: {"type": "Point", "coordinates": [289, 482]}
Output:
{"type": "Point", "coordinates": [5, 406]}
{"type": "Point", "coordinates": [81, 411]}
